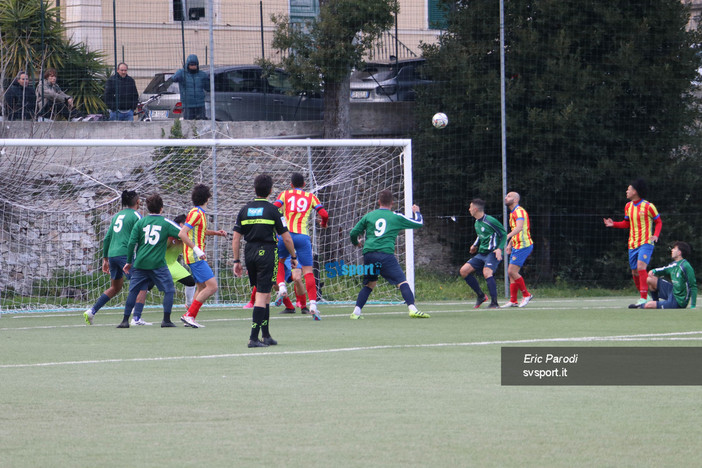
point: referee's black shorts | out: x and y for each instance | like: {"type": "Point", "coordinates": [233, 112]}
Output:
{"type": "Point", "coordinates": [262, 265]}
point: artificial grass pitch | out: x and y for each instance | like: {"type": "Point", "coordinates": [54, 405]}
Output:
{"type": "Point", "coordinates": [384, 391]}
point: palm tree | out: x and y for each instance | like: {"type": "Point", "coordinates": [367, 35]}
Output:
{"type": "Point", "coordinates": [32, 39]}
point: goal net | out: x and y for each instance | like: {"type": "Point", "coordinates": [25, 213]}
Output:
{"type": "Point", "coordinates": [59, 196]}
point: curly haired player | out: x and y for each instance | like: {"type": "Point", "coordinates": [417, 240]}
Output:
{"type": "Point", "coordinates": [640, 216]}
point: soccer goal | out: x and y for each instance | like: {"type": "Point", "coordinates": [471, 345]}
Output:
{"type": "Point", "coordinates": [59, 196]}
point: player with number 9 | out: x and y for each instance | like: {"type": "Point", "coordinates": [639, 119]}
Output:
{"type": "Point", "coordinates": [381, 228]}
{"type": "Point", "coordinates": [149, 238]}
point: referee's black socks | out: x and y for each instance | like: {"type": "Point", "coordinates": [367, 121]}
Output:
{"type": "Point", "coordinates": [264, 324]}
{"type": "Point", "coordinates": [257, 321]}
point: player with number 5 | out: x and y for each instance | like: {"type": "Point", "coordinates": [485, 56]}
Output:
{"type": "Point", "coordinates": [114, 256]}
{"type": "Point", "coordinates": [381, 228]}
{"type": "Point", "coordinates": [150, 239]}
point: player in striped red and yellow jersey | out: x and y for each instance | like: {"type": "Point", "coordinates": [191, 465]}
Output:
{"type": "Point", "coordinates": [518, 248]}
{"type": "Point", "coordinates": [193, 235]}
{"type": "Point", "coordinates": [640, 217]}
{"type": "Point", "coordinates": [297, 205]}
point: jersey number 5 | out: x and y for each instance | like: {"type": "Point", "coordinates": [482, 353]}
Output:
{"type": "Point", "coordinates": [118, 223]}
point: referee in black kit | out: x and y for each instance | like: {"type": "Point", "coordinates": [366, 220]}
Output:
{"type": "Point", "coordinates": [258, 222]}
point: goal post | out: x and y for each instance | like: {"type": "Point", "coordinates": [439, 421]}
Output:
{"type": "Point", "coordinates": [62, 193]}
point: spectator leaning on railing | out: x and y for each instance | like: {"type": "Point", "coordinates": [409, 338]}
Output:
{"type": "Point", "coordinates": [20, 100]}
{"type": "Point", "coordinates": [121, 95]}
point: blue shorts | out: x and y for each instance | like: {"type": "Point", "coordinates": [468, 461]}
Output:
{"type": "Point", "coordinates": [116, 267]}
{"type": "Point", "coordinates": [303, 249]}
{"type": "Point", "coordinates": [642, 253]}
{"type": "Point", "coordinates": [146, 279]}
{"type": "Point", "coordinates": [519, 256]}
{"type": "Point", "coordinates": [666, 300]}
{"type": "Point", "coordinates": [385, 265]}
{"type": "Point", "coordinates": [288, 270]}
{"type": "Point", "coordinates": [201, 271]}
{"type": "Point", "coordinates": [481, 261]}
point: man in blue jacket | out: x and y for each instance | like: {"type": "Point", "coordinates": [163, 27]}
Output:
{"type": "Point", "coordinates": [193, 85]}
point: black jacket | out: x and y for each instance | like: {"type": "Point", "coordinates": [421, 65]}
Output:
{"type": "Point", "coordinates": [124, 89]}
{"type": "Point", "coordinates": [20, 102]}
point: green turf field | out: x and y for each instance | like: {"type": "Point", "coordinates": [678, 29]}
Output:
{"type": "Point", "coordinates": [384, 391]}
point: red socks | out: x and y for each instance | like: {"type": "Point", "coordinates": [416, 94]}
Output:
{"type": "Point", "coordinates": [287, 303]}
{"type": "Point", "coordinates": [281, 272]}
{"type": "Point", "coordinates": [302, 299]}
{"type": "Point", "coordinates": [253, 295]}
{"type": "Point", "coordinates": [194, 308]}
{"type": "Point", "coordinates": [522, 286]}
{"type": "Point", "coordinates": [311, 286]}
{"type": "Point", "coordinates": [513, 289]}
{"type": "Point", "coordinates": [518, 285]}
{"type": "Point", "coordinates": [643, 283]}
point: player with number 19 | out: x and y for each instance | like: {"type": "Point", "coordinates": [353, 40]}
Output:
{"type": "Point", "coordinates": [381, 228]}
{"type": "Point", "coordinates": [297, 205]}
{"type": "Point", "coordinates": [150, 239]}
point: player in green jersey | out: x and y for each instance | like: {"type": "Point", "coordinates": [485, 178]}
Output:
{"type": "Point", "coordinates": [680, 291]}
{"type": "Point", "coordinates": [487, 250]}
{"type": "Point", "coordinates": [150, 239]}
{"type": "Point", "coordinates": [381, 228]}
{"type": "Point", "coordinates": [114, 256]}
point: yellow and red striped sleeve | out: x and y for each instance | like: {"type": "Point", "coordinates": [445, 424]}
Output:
{"type": "Point", "coordinates": [197, 222]}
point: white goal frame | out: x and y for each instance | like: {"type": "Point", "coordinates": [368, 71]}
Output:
{"type": "Point", "coordinates": [406, 145]}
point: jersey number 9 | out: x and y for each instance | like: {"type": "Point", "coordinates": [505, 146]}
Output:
{"type": "Point", "coordinates": [380, 226]}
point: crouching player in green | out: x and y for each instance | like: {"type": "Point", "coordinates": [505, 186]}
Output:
{"type": "Point", "coordinates": [150, 238]}
{"type": "Point", "coordinates": [680, 291]}
{"type": "Point", "coordinates": [381, 228]}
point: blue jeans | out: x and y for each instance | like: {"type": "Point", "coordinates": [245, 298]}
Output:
{"type": "Point", "coordinates": [122, 116]}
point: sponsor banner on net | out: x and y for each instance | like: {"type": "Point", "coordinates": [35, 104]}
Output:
{"type": "Point", "coordinates": [340, 268]}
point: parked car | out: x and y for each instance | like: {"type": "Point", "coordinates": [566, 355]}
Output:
{"type": "Point", "coordinates": [242, 93]}
{"type": "Point", "coordinates": [245, 92]}
{"type": "Point", "coordinates": [389, 81]}
{"type": "Point", "coordinates": [167, 105]}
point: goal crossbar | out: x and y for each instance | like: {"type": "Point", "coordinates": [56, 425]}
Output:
{"type": "Point", "coordinates": [65, 142]}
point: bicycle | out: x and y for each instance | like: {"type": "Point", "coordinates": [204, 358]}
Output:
{"type": "Point", "coordinates": [142, 112]}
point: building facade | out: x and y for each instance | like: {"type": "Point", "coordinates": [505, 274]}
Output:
{"type": "Point", "coordinates": [156, 35]}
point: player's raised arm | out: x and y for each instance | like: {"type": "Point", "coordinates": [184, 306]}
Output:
{"type": "Point", "coordinates": [324, 216]}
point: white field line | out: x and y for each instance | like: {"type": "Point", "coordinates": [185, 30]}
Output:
{"type": "Point", "coordinates": [116, 316]}
{"type": "Point", "coordinates": [545, 304]}
{"type": "Point", "coordinates": [575, 303]}
{"type": "Point", "coordinates": [676, 336]}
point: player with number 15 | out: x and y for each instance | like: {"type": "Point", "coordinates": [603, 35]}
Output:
{"type": "Point", "coordinates": [381, 228]}
{"type": "Point", "coordinates": [150, 239]}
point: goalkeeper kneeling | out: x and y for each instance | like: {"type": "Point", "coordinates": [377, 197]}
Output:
{"type": "Point", "coordinates": [679, 290]}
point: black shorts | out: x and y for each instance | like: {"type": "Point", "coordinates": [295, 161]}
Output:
{"type": "Point", "coordinates": [262, 265]}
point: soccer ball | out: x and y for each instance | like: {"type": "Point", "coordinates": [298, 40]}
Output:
{"type": "Point", "coordinates": [439, 120]}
